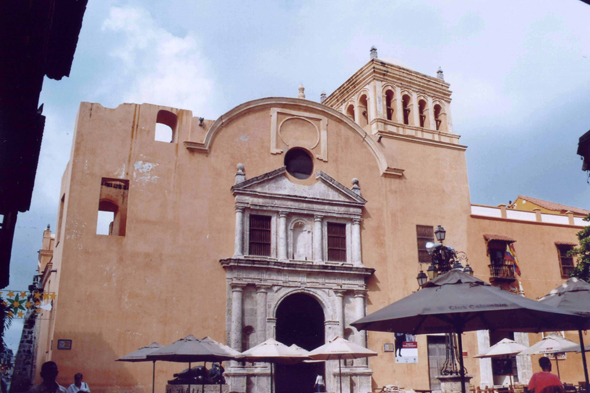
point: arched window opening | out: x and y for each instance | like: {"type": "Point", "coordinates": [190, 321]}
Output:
{"type": "Point", "coordinates": [166, 126]}
{"type": "Point", "coordinates": [248, 338]}
{"type": "Point", "coordinates": [389, 104]}
{"type": "Point", "coordinates": [437, 116]}
{"type": "Point", "coordinates": [106, 217]}
{"type": "Point", "coordinates": [299, 163]}
{"type": "Point", "coordinates": [406, 107]}
{"type": "Point", "coordinates": [422, 111]}
{"type": "Point", "coordinates": [364, 111]}
{"type": "Point", "coordinates": [350, 111]}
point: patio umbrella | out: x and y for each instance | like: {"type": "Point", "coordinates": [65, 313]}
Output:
{"type": "Point", "coordinates": [505, 348]}
{"type": "Point", "coordinates": [573, 296]}
{"type": "Point", "coordinates": [191, 349]}
{"type": "Point", "coordinates": [224, 347]}
{"type": "Point", "coordinates": [552, 344]}
{"type": "Point", "coordinates": [339, 348]}
{"type": "Point", "coordinates": [456, 302]}
{"type": "Point", "coordinates": [140, 356]}
{"type": "Point", "coordinates": [271, 351]}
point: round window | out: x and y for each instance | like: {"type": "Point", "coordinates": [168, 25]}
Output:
{"type": "Point", "coordinates": [299, 163]}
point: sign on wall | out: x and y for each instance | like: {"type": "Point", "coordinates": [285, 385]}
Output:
{"type": "Point", "coordinates": [406, 348]}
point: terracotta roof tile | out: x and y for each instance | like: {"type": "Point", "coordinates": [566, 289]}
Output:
{"type": "Point", "coordinates": [502, 238]}
{"type": "Point", "coordinates": [554, 206]}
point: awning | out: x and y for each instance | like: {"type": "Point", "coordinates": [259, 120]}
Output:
{"type": "Point", "coordinates": [502, 238]}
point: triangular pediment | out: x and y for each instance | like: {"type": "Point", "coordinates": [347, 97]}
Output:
{"type": "Point", "coordinates": [277, 183]}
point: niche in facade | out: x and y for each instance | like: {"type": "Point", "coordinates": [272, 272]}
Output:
{"type": "Point", "coordinates": [112, 207]}
{"type": "Point", "coordinates": [166, 127]}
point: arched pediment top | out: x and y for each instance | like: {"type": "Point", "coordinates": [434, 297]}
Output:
{"type": "Point", "coordinates": [443, 107]}
{"type": "Point", "coordinates": [406, 93]}
{"type": "Point", "coordinates": [422, 97]}
{"type": "Point", "coordinates": [363, 92]}
{"type": "Point", "coordinates": [388, 87]}
{"type": "Point", "coordinates": [240, 110]}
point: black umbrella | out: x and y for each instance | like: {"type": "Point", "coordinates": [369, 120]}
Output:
{"type": "Point", "coordinates": [456, 302]}
{"type": "Point", "coordinates": [573, 296]}
{"type": "Point", "coordinates": [141, 356]}
{"type": "Point", "coordinates": [191, 349]}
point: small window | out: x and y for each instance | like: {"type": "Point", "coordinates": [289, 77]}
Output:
{"type": "Point", "coordinates": [424, 234]}
{"type": "Point", "coordinates": [364, 111]}
{"type": "Point", "coordinates": [336, 242]}
{"type": "Point", "coordinates": [112, 207]}
{"type": "Point", "coordinates": [422, 110]}
{"type": "Point", "coordinates": [500, 266]}
{"type": "Point", "coordinates": [259, 235]}
{"type": "Point", "coordinates": [299, 163]}
{"type": "Point", "coordinates": [165, 126]}
{"type": "Point", "coordinates": [350, 112]}
{"type": "Point", "coordinates": [566, 264]}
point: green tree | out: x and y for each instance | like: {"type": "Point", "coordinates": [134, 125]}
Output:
{"type": "Point", "coordinates": [582, 270]}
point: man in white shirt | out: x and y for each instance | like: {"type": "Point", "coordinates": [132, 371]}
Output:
{"type": "Point", "coordinates": [78, 385]}
{"type": "Point", "coordinates": [49, 374]}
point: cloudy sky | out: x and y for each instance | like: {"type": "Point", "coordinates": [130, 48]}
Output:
{"type": "Point", "coordinates": [519, 72]}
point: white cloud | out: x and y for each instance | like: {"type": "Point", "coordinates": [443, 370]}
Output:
{"type": "Point", "coordinates": [159, 67]}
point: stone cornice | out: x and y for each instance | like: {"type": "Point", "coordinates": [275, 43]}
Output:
{"type": "Point", "coordinates": [270, 264]}
{"type": "Point", "coordinates": [423, 141]}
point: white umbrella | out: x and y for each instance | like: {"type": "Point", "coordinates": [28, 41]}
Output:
{"type": "Point", "coordinates": [505, 348]}
{"type": "Point", "coordinates": [339, 348]}
{"type": "Point", "coordinates": [552, 344]}
{"type": "Point", "coordinates": [271, 351]}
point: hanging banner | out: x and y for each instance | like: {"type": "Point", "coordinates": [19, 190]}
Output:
{"type": "Point", "coordinates": [406, 348]}
{"type": "Point", "coordinates": [22, 303]}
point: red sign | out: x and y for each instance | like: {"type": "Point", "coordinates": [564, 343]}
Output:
{"type": "Point", "coordinates": [410, 344]}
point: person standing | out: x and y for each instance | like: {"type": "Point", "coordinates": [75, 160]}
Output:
{"type": "Point", "coordinates": [78, 385]}
{"type": "Point", "coordinates": [544, 381]}
{"type": "Point", "coordinates": [49, 374]}
{"type": "Point", "coordinates": [319, 383]}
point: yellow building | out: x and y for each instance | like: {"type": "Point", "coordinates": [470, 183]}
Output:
{"type": "Point", "coordinates": [282, 218]}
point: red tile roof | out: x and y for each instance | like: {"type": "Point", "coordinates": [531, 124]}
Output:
{"type": "Point", "coordinates": [502, 238]}
{"type": "Point", "coordinates": [555, 206]}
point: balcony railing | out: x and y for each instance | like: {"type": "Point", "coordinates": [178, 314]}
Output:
{"type": "Point", "coordinates": [502, 270]}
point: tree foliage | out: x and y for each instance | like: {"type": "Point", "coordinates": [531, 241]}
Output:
{"type": "Point", "coordinates": [582, 253]}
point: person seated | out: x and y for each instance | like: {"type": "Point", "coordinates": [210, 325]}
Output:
{"type": "Point", "coordinates": [78, 385]}
{"type": "Point", "coordinates": [544, 381]}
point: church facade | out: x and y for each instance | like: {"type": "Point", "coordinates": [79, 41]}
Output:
{"type": "Point", "coordinates": [283, 218]}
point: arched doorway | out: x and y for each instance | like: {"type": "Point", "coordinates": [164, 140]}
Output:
{"type": "Point", "coordinates": [300, 321]}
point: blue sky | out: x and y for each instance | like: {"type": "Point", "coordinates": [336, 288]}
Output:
{"type": "Point", "coordinates": [519, 72]}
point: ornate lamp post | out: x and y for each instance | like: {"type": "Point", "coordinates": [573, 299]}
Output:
{"type": "Point", "coordinates": [444, 259]}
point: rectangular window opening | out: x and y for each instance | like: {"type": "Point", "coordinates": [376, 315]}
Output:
{"type": "Point", "coordinates": [336, 242]}
{"type": "Point", "coordinates": [260, 235]}
{"type": "Point", "coordinates": [424, 234]}
{"type": "Point", "coordinates": [566, 264]}
{"type": "Point", "coordinates": [112, 207]}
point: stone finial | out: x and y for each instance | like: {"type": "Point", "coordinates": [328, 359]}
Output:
{"type": "Point", "coordinates": [240, 175]}
{"type": "Point", "coordinates": [520, 289]}
{"type": "Point", "coordinates": [355, 186]}
{"type": "Point", "coordinates": [301, 91]}
{"type": "Point", "coordinates": [440, 75]}
{"type": "Point", "coordinates": [322, 97]}
{"type": "Point", "coordinates": [373, 52]}
{"type": "Point", "coordinates": [48, 227]}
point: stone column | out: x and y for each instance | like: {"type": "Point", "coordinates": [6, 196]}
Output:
{"type": "Point", "coordinates": [523, 362]}
{"type": "Point", "coordinates": [399, 111]}
{"type": "Point", "coordinates": [485, 364]}
{"type": "Point", "coordinates": [261, 293]}
{"type": "Point", "coordinates": [431, 120]}
{"type": "Point", "coordinates": [317, 239]}
{"type": "Point", "coordinates": [340, 311]}
{"type": "Point", "coordinates": [415, 111]}
{"type": "Point", "coordinates": [283, 235]}
{"type": "Point", "coordinates": [356, 241]}
{"type": "Point", "coordinates": [236, 316]}
{"type": "Point", "coordinates": [359, 312]}
{"type": "Point", "coordinates": [239, 237]}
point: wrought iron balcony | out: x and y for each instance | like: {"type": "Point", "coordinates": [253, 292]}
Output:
{"type": "Point", "coordinates": [502, 270]}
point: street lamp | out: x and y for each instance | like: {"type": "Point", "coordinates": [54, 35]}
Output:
{"type": "Point", "coordinates": [444, 259]}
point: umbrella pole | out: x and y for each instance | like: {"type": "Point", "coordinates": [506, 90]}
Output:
{"type": "Point", "coordinates": [584, 358]}
{"type": "Point", "coordinates": [189, 377]}
{"type": "Point", "coordinates": [557, 365]}
{"type": "Point", "coordinates": [462, 370]}
{"type": "Point", "coordinates": [153, 375]}
{"type": "Point", "coordinates": [203, 380]}
{"type": "Point", "coordinates": [272, 381]}
{"type": "Point", "coordinates": [220, 378]}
